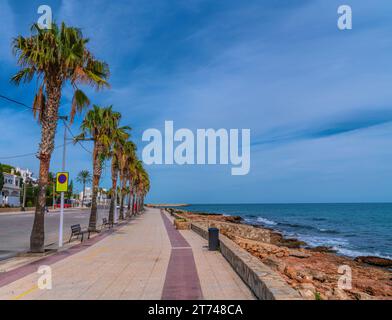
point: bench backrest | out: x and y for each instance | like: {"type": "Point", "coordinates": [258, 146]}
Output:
{"type": "Point", "coordinates": [76, 228]}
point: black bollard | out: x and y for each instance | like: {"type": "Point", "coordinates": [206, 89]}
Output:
{"type": "Point", "coordinates": [213, 239]}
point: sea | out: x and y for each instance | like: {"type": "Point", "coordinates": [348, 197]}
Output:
{"type": "Point", "coordinates": [352, 229]}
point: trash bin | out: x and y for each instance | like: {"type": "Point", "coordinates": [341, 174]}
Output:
{"type": "Point", "coordinates": [213, 239]}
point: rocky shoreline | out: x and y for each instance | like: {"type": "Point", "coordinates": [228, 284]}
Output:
{"type": "Point", "coordinates": [314, 272]}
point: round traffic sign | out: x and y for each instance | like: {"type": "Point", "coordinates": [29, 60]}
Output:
{"type": "Point", "coordinates": [62, 178]}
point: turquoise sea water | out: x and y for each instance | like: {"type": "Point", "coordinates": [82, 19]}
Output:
{"type": "Point", "coordinates": [352, 229]}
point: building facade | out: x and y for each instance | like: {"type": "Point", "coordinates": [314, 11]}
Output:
{"type": "Point", "coordinates": [26, 175]}
{"type": "Point", "coordinates": [102, 198]}
{"type": "Point", "coordinates": [10, 194]}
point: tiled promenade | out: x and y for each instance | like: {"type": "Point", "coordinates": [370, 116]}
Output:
{"type": "Point", "coordinates": [145, 259]}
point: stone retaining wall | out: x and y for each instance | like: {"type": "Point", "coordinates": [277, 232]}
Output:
{"type": "Point", "coordinates": [265, 283]}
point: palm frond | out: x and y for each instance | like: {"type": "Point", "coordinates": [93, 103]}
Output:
{"type": "Point", "coordinates": [79, 102]}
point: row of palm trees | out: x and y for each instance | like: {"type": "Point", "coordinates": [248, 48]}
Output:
{"type": "Point", "coordinates": [111, 141]}
{"type": "Point", "coordinates": [54, 58]}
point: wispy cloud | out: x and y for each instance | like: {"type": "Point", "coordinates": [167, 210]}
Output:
{"type": "Point", "coordinates": [343, 124]}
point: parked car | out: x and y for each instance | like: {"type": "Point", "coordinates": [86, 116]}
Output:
{"type": "Point", "coordinates": [67, 204]}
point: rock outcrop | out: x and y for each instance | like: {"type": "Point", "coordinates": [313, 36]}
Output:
{"type": "Point", "coordinates": [375, 261]}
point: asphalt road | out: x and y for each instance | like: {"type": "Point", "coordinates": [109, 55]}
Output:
{"type": "Point", "coordinates": [15, 229]}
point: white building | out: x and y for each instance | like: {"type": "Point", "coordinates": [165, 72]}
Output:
{"type": "Point", "coordinates": [10, 194]}
{"type": "Point", "coordinates": [26, 174]}
{"type": "Point", "coordinates": [102, 198]}
{"type": "Point", "coordinates": [88, 196]}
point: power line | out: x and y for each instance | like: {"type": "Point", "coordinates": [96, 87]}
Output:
{"type": "Point", "coordinates": [73, 136]}
{"type": "Point", "coordinates": [16, 102]}
{"type": "Point", "coordinates": [29, 154]}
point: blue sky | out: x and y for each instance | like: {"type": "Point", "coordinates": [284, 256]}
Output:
{"type": "Point", "coordinates": [317, 99]}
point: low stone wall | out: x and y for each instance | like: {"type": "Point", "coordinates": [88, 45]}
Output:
{"type": "Point", "coordinates": [265, 283]}
{"type": "Point", "coordinates": [200, 230]}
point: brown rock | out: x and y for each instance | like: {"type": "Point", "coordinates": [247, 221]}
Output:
{"type": "Point", "coordinates": [291, 243]}
{"type": "Point", "coordinates": [319, 276]}
{"type": "Point", "coordinates": [233, 219]}
{"type": "Point", "coordinates": [274, 263]}
{"type": "Point", "coordinates": [290, 272]}
{"type": "Point", "coordinates": [307, 291]}
{"type": "Point", "coordinates": [339, 294]}
{"type": "Point", "coordinates": [304, 277]}
{"type": "Point", "coordinates": [362, 296]}
{"type": "Point", "coordinates": [324, 249]}
{"type": "Point", "coordinates": [298, 254]}
{"type": "Point", "coordinates": [375, 261]}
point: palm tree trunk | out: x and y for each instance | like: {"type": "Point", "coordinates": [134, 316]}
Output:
{"type": "Point", "coordinates": [84, 193]}
{"type": "Point", "coordinates": [129, 206]}
{"type": "Point", "coordinates": [48, 131]}
{"type": "Point", "coordinates": [122, 206]}
{"type": "Point", "coordinates": [96, 177]}
{"type": "Point", "coordinates": [133, 204]}
{"type": "Point", "coordinates": [123, 185]}
{"type": "Point", "coordinates": [113, 196]}
{"type": "Point", "coordinates": [37, 238]}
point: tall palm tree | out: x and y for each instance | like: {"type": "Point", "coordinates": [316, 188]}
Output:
{"type": "Point", "coordinates": [101, 124]}
{"type": "Point", "coordinates": [133, 181]}
{"type": "Point", "coordinates": [54, 57]}
{"type": "Point", "coordinates": [145, 188]}
{"type": "Point", "coordinates": [127, 192]}
{"type": "Point", "coordinates": [84, 177]}
{"type": "Point", "coordinates": [128, 157]}
{"type": "Point", "coordinates": [142, 186]}
{"type": "Point", "coordinates": [118, 143]}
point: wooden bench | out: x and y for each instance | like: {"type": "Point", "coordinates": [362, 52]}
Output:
{"type": "Point", "coordinates": [106, 223]}
{"type": "Point", "coordinates": [77, 231]}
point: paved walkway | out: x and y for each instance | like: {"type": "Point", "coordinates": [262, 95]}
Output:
{"type": "Point", "coordinates": [134, 262]}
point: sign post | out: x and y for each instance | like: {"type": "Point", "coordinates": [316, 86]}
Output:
{"type": "Point", "coordinates": [61, 186]}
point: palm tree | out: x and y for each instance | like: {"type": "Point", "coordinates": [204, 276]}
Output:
{"type": "Point", "coordinates": [145, 187]}
{"type": "Point", "coordinates": [128, 157]}
{"type": "Point", "coordinates": [102, 125]}
{"type": "Point", "coordinates": [84, 177]}
{"type": "Point", "coordinates": [128, 195]}
{"type": "Point", "coordinates": [142, 186]}
{"type": "Point", "coordinates": [116, 150]}
{"type": "Point", "coordinates": [54, 57]}
{"type": "Point", "coordinates": [132, 185]}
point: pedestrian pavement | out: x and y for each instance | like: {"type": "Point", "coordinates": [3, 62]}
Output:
{"type": "Point", "coordinates": [132, 262]}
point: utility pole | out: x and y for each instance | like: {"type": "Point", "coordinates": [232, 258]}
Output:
{"type": "Point", "coordinates": [65, 118]}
